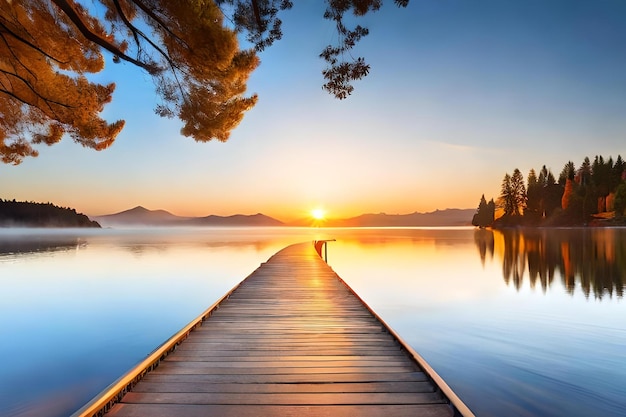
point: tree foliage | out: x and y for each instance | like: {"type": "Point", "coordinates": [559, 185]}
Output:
{"type": "Point", "coordinates": [513, 194]}
{"type": "Point", "coordinates": [189, 48]}
{"type": "Point", "coordinates": [507, 199]}
{"type": "Point", "coordinates": [29, 214]}
{"type": "Point", "coordinates": [485, 213]}
{"type": "Point", "coordinates": [568, 172]}
{"type": "Point", "coordinates": [620, 200]}
{"type": "Point", "coordinates": [595, 187]}
{"type": "Point", "coordinates": [49, 46]}
{"type": "Point", "coordinates": [519, 192]}
{"type": "Point", "coordinates": [568, 192]}
{"type": "Point", "coordinates": [534, 194]}
{"type": "Point", "coordinates": [259, 19]}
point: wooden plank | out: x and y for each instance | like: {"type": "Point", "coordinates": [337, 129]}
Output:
{"type": "Point", "coordinates": [194, 410]}
{"type": "Point", "coordinates": [202, 368]}
{"type": "Point", "coordinates": [266, 351]}
{"type": "Point", "coordinates": [180, 354]}
{"type": "Point", "coordinates": [290, 340]}
{"type": "Point", "coordinates": [282, 399]}
{"type": "Point", "coordinates": [377, 387]}
{"type": "Point", "coordinates": [288, 378]}
{"type": "Point", "coordinates": [269, 363]}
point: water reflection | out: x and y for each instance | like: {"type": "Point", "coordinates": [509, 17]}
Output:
{"type": "Point", "coordinates": [30, 245]}
{"type": "Point", "coordinates": [26, 242]}
{"type": "Point", "coordinates": [593, 260]}
{"type": "Point", "coordinates": [110, 303]}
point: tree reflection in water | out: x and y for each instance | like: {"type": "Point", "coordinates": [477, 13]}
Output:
{"type": "Point", "coordinates": [594, 259]}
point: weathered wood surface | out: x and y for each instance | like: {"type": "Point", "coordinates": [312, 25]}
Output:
{"type": "Point", "coordinates": [292, 340]}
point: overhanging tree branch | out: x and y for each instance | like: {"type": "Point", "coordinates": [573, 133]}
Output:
{"type": "Point", "coordinates": [158, 20]}
{"type": "Point", "coordinates": [193, 58]}
{"type": "Point", "coordinates": [139, 34]}
{"type": "Point", "coordinates": [8, 30]}
{"type": "Point", "coordinates": [257, 15]}
{"type": "Point", "coordinates": [28, 84]}
{"type": "Point", "coordinates": [69, 11]}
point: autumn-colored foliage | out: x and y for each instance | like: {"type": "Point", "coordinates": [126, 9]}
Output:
{"type": "Point", "coordinates": [49, 48]}
{"type": "Point", "coordinates": [578, 196]}
{"type": "Point", "coordinates": [567, 193]}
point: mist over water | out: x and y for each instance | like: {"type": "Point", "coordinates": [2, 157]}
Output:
{"type": "Point", "coordinates": [518, 323]}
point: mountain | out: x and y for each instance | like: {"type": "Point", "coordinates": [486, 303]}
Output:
{"type": "Point", "coordinates": [447, 217]}
{"type": "Point", "coordinates": [140, 216]}
{"type": "Point", "coordinates": [236, 220]}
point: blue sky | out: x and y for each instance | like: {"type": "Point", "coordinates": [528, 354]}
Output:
{"type": "Point", "coordinates": [460, 92]}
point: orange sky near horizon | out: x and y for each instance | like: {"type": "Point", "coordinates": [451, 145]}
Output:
{"type": "Point", "coordinates": [300, 206]}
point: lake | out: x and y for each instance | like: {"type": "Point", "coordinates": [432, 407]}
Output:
{"type": "Point", "coordinates": [518, 323]}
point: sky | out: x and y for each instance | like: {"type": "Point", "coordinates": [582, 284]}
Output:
{"type": "Point", "coordinates": [460, 92]}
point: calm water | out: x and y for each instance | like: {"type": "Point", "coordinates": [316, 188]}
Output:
{"type": "Point", "coordinates": [518, 323]}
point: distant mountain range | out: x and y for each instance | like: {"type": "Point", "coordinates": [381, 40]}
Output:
{"type": "Point", "coordinates": [447, 217]}
{"type": "Point", "coordinates": [140, 216]}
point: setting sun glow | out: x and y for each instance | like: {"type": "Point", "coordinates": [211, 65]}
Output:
{"type": "Point", "coordinates": [318, 214]}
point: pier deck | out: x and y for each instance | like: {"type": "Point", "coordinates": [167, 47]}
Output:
{"type": "Point", "coordinates": [291, 340]}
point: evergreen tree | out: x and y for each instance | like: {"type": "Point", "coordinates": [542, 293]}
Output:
{"type": "Point", "coordinates": [30, 214]}
{"type": "Point", "coordinates": [507, 196]}
{"type": "Point", "coordinates": [519, 192]}
{"type": "Point", "coordinates": [617, 172]}
{"type": "Point", "coordinates": [491, 211]}
{"type": "Point", "coordinates": [569, 171]}
{"type": "Point", "coordinates": [543, 176]}
{"type": "Point", "coordinates": [482, 206]}
{"type": "Point", "coordinates": [552, 195]}
{"type": "Point", "coordinates": [584, 172]}
{"type": "Point", "coordinates": [534, 195]}
{"type": "Point", "coordinates": [484, 214]}
{"type": "Point", "coordinates": [594, 187]}
{"type": "Point", "coordinates": [601, 179]}
{"type": "Point", "coordinates": [586, 191]}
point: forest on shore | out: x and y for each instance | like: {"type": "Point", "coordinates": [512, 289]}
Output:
{"type": "Point", "coordinates": [29, 214]}
{"type": "Point", "coordinates": [592, 194]}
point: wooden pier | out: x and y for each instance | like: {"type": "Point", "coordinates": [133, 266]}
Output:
{"type": "Point", "coordinates": [291, 340]}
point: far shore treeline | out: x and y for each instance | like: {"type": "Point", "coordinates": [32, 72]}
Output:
{"type": "Point", "coordinates": [592, 194]}
{"type": "Point", "coordinates": [29, 214]}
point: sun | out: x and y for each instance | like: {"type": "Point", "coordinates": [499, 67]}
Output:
{"type": "Point", "coordinates": [318, 214]}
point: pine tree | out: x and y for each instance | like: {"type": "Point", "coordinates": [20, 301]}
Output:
{"type": "Point", "coordinates": [534, 196]}
{"type": "Point", "coordinates": [569, 171]}
{"type": "Point", "coordinates": [491, 211]}
{"type": "Point", "coordinates": [507, 196]}
{"type": "Point", "coordinates": [519, 192]}
{"type": "Point", "coordinates": [617, 172]}
{"type": "Point", "coordinates": [484, 214]}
